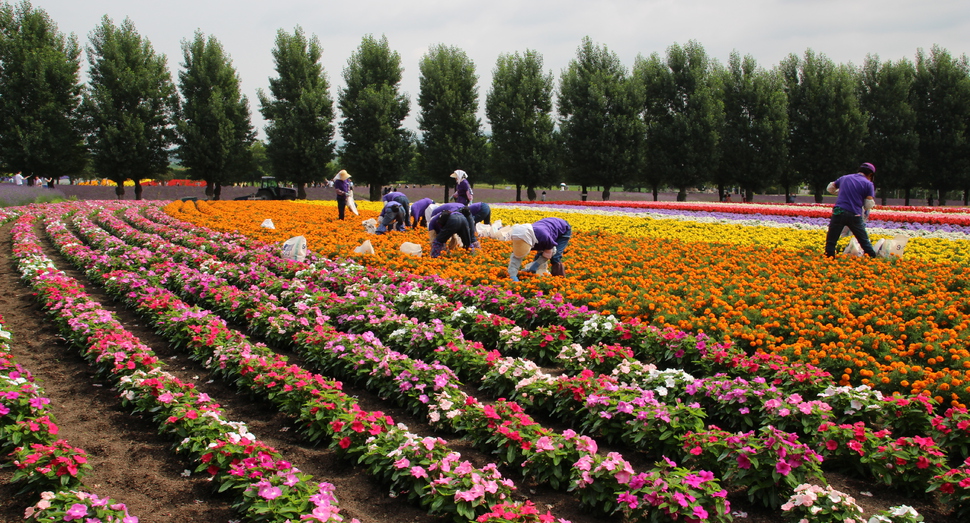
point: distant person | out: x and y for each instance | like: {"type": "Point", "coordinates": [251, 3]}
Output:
{"type": "Point", "coordinates": [463, 189]}
{"type": "Point", "coordinates": [18, 179]}
{"type": "Point", "coordinates": [549, 237]}
{"type": "Point", "coordinates": [342, 187]}
{"type": "Point", "coordinates": [856, 197]}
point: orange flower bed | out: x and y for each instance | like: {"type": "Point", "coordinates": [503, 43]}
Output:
{"type": "Point", "coordinates": [895, 326]}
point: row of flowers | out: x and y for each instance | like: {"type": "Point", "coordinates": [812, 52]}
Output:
{"type": "Point", "coordinates": [786, 303]}
{"type": "Point", "coordinates": [518, 437]}
{"type": "Point", "coordinates": [49, 469]}
{"type": "Point", "coordinates": [785, 465]}
{"type": "Point", "coordinates": [434, 476]}
{"type": "Point", "coordinates": [255, 473]}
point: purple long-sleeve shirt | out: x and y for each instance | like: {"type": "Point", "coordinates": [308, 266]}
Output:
{"type": "Point", "coordinates": [418, 208]}
{"type": "Point", "coordinates": [548, 231]}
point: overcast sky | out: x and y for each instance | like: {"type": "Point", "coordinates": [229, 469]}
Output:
{"type": "Point", "coordinates": [769, 30]}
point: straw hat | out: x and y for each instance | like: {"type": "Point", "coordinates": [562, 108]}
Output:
{"type": "Point", "coordinates": [342, 175]}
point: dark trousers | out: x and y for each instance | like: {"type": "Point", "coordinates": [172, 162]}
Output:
{"type": "Point", "coordinates": [841, 219]}
{"type": "Point", "coordinates": [341, 206]}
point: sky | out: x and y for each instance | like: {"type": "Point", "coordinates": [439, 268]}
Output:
{"type": "Point", "coordinates": [846, 31]}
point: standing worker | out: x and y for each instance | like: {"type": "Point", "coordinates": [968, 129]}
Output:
{"type": "Point", "coordinates": [548, 236]}
{"type": "Point", "coordinates": [342, 188]}
{"type": "Point", "coordinates": [856, 197]}
{"type": "Point", "coordinates": [402, 199]}
{"type": "Point", "coordinates": [417, 212]}
{"type": "Point", "coordinates": [463, 189]}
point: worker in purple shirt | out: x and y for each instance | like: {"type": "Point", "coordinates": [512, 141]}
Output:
{"type": "Point", "coordinates": [448, 223]}
{"type": "Point", "coordinates": [481, 212]}
{"type": "Point", "coordinates": [463, 189]}
{"type": "Point", "coordinates": [549, 237]}
{"type": "Point", "coordinates": [342, 188]}
{"type": "Point", "coordinates": [391, 218]}
{"type": "Point", "coordinates": [417, 212]}
{"type": "Point", "coordinates": [856, 197]}
{"type": "Point", "coordinates": [402, 199]}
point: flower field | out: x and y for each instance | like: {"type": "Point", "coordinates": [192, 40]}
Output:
{"type": "Point", "coordinates": [685, 362]}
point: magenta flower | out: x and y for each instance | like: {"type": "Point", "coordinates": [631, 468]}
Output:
{"type": "Point", "coordinates": [77, 511]}
{"type": "Point", "coordinates": [783, 468]}
{"type": "Point", "coordinates": [418, 472]}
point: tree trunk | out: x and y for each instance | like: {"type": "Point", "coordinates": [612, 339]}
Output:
{"type": "Point", "coordinates": [374, 192]}
{"type": "Point", "coordinates": [656, 192]}
{"type": "Point", "coordinates": [906, 194]}
{"type": "Point", "coordinates": [208, 189]}
{"type": "Point", "coordinates": [120, 191]}
{"type": "Point", "coordinates": [531, 193]}
{"type": "Point", "coordinates": [942, 198]}
{"type": "Point", "coordinates": [217, 191]}
{"type": "Point", "coordinates": [818, 195]}
{"type": "Point", "coordinates": [137, 189]}
{"type": "Point", "coordinates": [518, 192]}
{"type": "Point", "coordinates": [301, 191]}
{"type": "Point", "coordinates": [446, 194]}
{"type": "Point", "coordinates": [585, 194]}
{"type": "Point", "coordinates": [748, 195]}
{"type": "Point", "coordinates": [682, 194]}
{"type": "Point", "coordinates": [606, 193]}
{"type": "Point", "coordinates": [720, 192]}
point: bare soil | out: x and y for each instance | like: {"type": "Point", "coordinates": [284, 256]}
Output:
{"type": "Point", "coordinates": [134, 465]}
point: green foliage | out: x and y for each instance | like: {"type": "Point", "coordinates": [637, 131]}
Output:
{"type": "Point", "coordinates": [941, 97]}
{"type": "Point", "coordinates": [377, 148]}
{"type": "Point", "coordinates": [754, 145]}
{"type": "Point", "coordinates": [131, 106]}
{"type": "Point", "coordinates": [892, 141]}
{"type": "Point", "coordinates": [599, 119]}
{"type": "Point", "coordinates": [684, 115]}
{"type": "Point", "coordinates": [519, 109]}
{"type": "Point", "coordinates": [300, 112]}
{"type": "Point", "coordinates": [215, 132]}
{"type": "Point", "coordinates": [451, 132]}
{"type": "Point", "coordinates": [40, 95]}
{"type": "Point", "coordinates": [826, 124]}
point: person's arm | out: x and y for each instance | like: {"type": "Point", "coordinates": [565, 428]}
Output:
{"type": "Point", "coordinates": [832, 188]}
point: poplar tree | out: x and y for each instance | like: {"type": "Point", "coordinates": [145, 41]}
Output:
{"type": "Point", "coordinates": [599, 119]}
{"type": "Point", "coordinates": [892, 143]}
{"type": "Point", "coordinates": [941, 98]}
{"type": "Point", "coordinates": [40, 96]}
{"type": "Point", "coordinates": [215, 131]}
{"type": "Point", "coordinates": [683, 115]}
{"type": "Point", "coordinates": [377, 147]}
{"type": "Point", "coordinates": [826, 124]}
{"type": "Point", "coordinates": [131, 105]}
{"type": "Point", "coordinates": [299, 112]}
{"type": "Point", "coordinates": [754, 145]}
{"type": "Point", "coordinates": [519, 109]}
{"type": "Point", "coordinates": [452, 135]}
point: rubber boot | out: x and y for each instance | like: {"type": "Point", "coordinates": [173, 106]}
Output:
{"type": "Point", "coordinates": [557, 269]}
{"type": "Point", "coordinates": [436, 248]}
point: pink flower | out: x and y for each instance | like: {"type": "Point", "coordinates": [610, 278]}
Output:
{"type": "Point", "coordinates": [77, 511]}
{"type": "Point", "coordinates": [267, 491]}
{"type": "Point", "coordinates": [700, 513]}
{"type": "Point", "coordinates": [402, 463]}
{"type": "Point", "coordinates": [831, 444]}
{"type": "Point", "coordinates": [744, 462]}
{"type": "Point", "coordinates": [418, 472]}
{"type": "Point", "coordinates": [783, 468]}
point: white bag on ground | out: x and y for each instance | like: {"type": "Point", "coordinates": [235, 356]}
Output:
{"type": "Point", "coordinates": [504, 233]}
{"type": "Point", "coordinates": [295, 249]}
{"type": "Point", "coordinates": [370, 225]}
{"type": "Point", "coordinates": [267, 224]}
{"type": "Point", "coordinates": [853, 248]}
{"type": "Point", "coordinates": [893, 248]}
{"type": "Point", "coordinates": [411, 248]}
{"type": "Point", "coordinates": [364, 248]}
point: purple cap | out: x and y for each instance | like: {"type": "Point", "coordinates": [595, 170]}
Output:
{"type": "Point", "coordinates": [868, 167]}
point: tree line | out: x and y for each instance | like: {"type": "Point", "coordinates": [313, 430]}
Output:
{"type": "Point", "coordinates": [680, 120]}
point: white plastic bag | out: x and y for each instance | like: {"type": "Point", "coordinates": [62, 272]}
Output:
{"type": "Point", "coordinates": [853, 248]}
{"type": "Point", "coordinates": [411, 248]}
{"type": "Point", "coordinates": [267, 224]}
{"type": "Point", "coordinates": [364, 248]}
{"type": "Point", "coordinates": [295, 249]}
{"type": "Point", "coordinates": [893, 248]}
{"type": "Point", "coordinates": [370, 225]}
{"type": "Point", "coordinates": [351, 204]}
